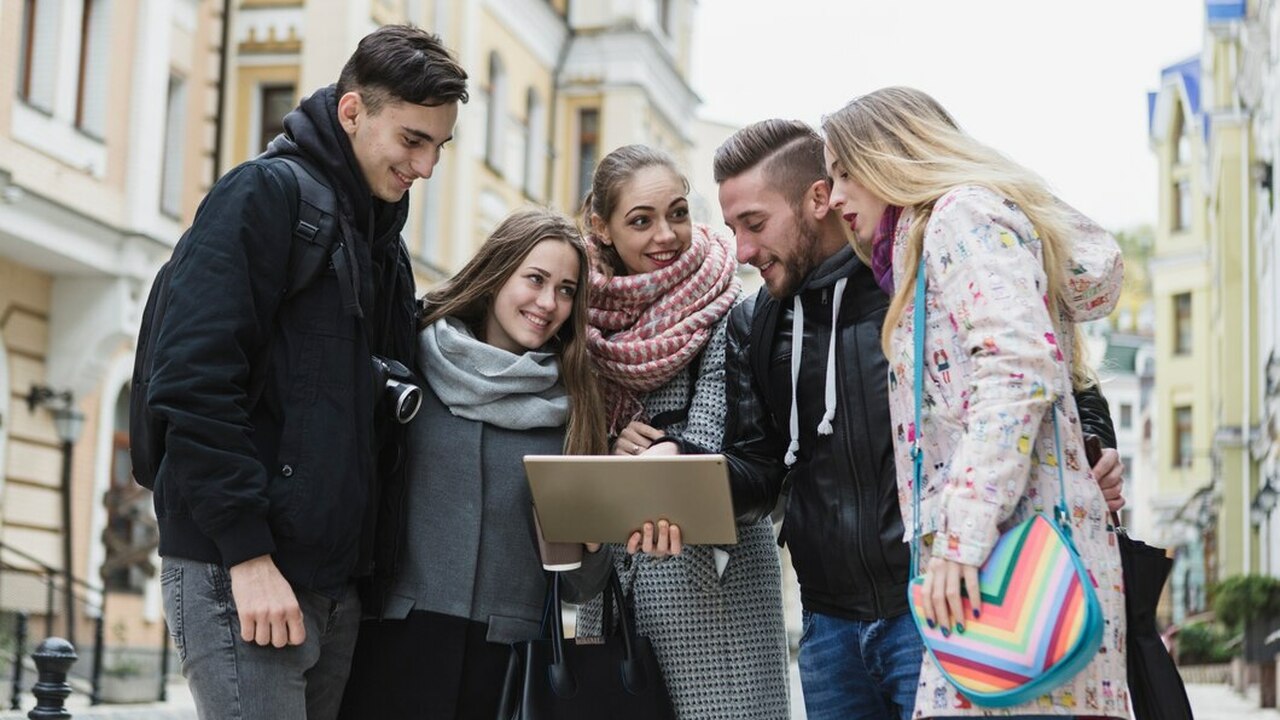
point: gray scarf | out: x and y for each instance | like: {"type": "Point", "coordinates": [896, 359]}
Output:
{"type": "Point", "coordinates": [478, 381]}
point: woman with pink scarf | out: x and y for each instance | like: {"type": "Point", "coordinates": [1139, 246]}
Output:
{"type": "Point", "coordinates": [661, 289]}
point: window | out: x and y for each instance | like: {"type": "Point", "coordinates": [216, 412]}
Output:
{"type": "Point", "coordinates": [1182, 335]}
{"type": "Point", "coordinates": [37, 57]}
{"type": "Point", "coordinates": [91, 92]}
{"type": "Point", "coordinates": [1182, 205]}
{"type": "Point", "coordinates": [1182, 133]}
{"type": "Point", "coordinates": [274, 102]}
{"type": "Point", "coordinates": [588, 148]}
{"type": "Point", "coordinates": [535, 167]}
{"type": "Point", "coordinates": [174, 144]}
{"type": "Point", "coordinates": [1182, 451]}
{"type": "Point", "coordinates": [494, 129]}
{"type": "Point", "coordinates": [1126, 416]}
{"type": "Point", "coordinates": [131, 534]}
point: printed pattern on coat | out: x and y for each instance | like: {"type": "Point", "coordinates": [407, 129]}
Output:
{"type": "Point", "coordinates": [993, 366]}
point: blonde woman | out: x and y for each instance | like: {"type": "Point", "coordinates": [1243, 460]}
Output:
{"type": "Point", "coordinates": [996, 247]}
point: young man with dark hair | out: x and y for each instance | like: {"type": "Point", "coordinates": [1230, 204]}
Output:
{"type": "Point", "coordinates": [816, 327]}
{"type": "Point", "coordinates": [276, 445]}
{"type": "Point", "coordinates": [806, 387]}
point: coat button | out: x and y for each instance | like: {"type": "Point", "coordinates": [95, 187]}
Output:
{"type": "Point", "coordinates": [287, 471]}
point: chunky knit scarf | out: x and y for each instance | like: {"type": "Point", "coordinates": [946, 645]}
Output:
{"type": "Point", "coordinates": [645, 329]}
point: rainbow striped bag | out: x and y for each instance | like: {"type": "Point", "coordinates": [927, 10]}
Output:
{"type": "Point", "coordinates": [1041, 621]}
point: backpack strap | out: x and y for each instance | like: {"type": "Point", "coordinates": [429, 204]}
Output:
{"type": "Point", "coordinates": [314, 241]}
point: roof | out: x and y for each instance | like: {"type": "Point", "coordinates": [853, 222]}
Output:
{"type": "Point", "coordinates": [1185, 73]}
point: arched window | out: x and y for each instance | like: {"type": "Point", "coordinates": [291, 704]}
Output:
{"type": "Point", "coordinates": [535, 164]}
{"type": "Point", "coordinates": [1182, 137]}
{"type": "Point", "coordinates": [494, 129]}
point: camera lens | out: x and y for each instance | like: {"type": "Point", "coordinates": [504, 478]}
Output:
{"type": "Point", "coordinates": [406, 400]}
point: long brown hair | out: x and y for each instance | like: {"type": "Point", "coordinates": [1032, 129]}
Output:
{"type": "Point", "coordinates": [469, 294]}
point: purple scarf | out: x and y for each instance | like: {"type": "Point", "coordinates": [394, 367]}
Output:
{"type": "Point", "coordinates": [882, 248]}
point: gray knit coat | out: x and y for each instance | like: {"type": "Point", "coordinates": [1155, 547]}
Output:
{"type": "Point", "coordinates": [720, 640]}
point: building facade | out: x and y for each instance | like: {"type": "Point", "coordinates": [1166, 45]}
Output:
{"type": "Point", "coordinates": [106, 147]}
{"type": "Point", "coordinates": [1206, 274]}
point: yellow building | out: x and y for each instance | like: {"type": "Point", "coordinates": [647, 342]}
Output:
{"type": "Point", "coordinates": [106, 127]}
{"type": "Point", "coordinates": [1180, 290]}
{"type": "Point", "coordinates": [1206, 305]}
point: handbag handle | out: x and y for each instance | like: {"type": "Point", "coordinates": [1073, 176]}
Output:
{"type": "Point", "coordinates": [635, 678]}
{"type": "Point", "coordinates": [917, 452]}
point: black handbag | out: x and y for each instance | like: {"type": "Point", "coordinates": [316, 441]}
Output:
{"type": "Point", "coordinates": [615, 676]}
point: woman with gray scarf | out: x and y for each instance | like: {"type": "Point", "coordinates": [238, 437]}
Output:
{"type": "Point", "coordinates": [502, 349]}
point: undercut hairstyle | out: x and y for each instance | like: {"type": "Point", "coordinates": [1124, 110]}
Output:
{"type": "Point", "coordinates": [789, 153]}
{"type": "Point", "coordinates": [403, 63]}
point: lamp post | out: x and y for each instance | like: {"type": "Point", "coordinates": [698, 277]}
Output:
{"type": "Point", "coordinates": [1260, 512]}
{"type": "Point", "coordinates": [68, 422]}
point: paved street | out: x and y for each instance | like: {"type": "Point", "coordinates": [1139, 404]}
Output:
{"type": "Point", "coordinates": [1210, 702]}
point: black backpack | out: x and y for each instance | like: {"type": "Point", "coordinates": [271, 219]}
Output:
{"type": "Point", "coordinates": [314, 240]}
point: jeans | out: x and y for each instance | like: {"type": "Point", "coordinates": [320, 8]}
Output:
{"type": "Point", "coordinates": [231, 679]}
{"type": "Point", "coordinates": [852, 669]}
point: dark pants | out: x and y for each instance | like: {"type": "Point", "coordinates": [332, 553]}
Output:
{"type": "Point", "coordinates": [428, 665]}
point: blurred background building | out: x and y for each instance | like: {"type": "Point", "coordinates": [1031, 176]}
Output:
{"type": "Point", "coordinates": [1214, 416]}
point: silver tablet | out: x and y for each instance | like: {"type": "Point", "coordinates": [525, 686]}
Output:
{"type": "Point", "coordinates": [605, 498]}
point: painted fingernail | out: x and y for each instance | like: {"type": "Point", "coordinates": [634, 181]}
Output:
{"type": "Point", "coordinates": [959, 627]}
{"type": "Point", "coordinates": [931, 623]}
{"type": "Point", "coordinates": [946, 632]}
{"type": "Point", "coordinates": [977, 613]}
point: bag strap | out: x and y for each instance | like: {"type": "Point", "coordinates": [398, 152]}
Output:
{"type": "Point", "coordinates": [634, 676]}
{"type": "Point", "coordinates": [917, 452]}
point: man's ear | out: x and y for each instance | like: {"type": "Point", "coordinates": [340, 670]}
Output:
{"type": "Point", "coordinates": [350, 109]}
{"type": "Point", "coordinates": [600, 229]}
{"type": "Point", "coordinates": [816, 199]}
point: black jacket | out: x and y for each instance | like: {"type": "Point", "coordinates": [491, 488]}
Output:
{"type": "Point", "coordinates": [842, 521]}
{"type": "Point", "coordinates": [296, 476]}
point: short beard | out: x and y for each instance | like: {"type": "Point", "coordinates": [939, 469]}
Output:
{"type": "Point", "coordinates": [800, 263]}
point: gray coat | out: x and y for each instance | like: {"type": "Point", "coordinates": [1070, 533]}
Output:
{"type": "Point", "coordinates": [470, 550]}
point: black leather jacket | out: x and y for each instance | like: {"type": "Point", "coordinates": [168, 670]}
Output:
{"type": "Point", "coordinates": [841, 521]}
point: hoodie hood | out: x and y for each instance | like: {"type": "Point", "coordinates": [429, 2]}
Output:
{"type": "Point", "coordinates": [1095, 272]}
{"type": "Point", "coordinates": [312, 131]}
{"type": "Point", "coordinates": [833, 269]}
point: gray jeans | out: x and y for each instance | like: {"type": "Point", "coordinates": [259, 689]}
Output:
{"type": "Point", "coordinates": [231, 679]}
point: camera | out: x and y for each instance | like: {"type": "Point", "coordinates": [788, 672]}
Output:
{"type": "Point", "coordinates": [402, 395]}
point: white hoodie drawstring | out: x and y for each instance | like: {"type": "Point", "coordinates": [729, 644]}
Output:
{"type": "Point", "coordinates": [797, 346]}
{"type": "Point", "coordinates": [824, 427]}
{"type": "Point", "coordinates": [829, 394]}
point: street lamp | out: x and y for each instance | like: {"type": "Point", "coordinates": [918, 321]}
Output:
{"type": "Point", "coordinates": [67, 422]}
{"type": "Point", "coordinates": [1267, 497]}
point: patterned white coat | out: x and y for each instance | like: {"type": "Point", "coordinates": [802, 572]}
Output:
{"type": "Point", "coordinates": [993, 366]}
